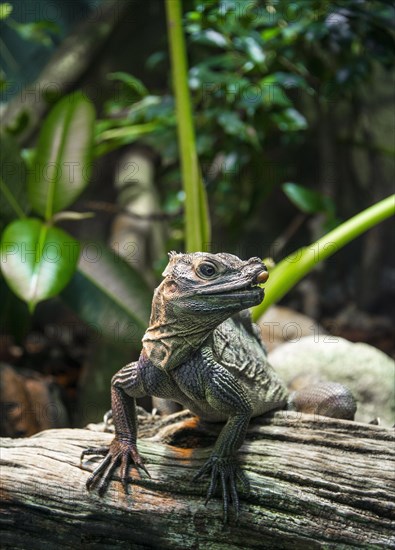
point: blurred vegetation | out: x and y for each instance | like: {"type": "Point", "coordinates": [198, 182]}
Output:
{"type": "Point", "coordinates": [283, 96]}
{"type": "Point", "coordinates": [257, 72]}
{"type": "Point", "coordinates": [38, 259]}
{"type": "Point", "coordinates": [249, 63]}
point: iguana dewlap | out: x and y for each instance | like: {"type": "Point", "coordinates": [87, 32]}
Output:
{"type": "Point", "coordinates": [202, 350]}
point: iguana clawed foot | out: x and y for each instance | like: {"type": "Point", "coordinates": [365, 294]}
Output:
{"type": "Point", "coordinates": [119, 453]}
{"type": "Point", "coordinates": [227, 471]}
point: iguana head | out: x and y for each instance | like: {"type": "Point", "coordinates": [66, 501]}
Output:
{"type": "Point", "coordinates": [198, 293]}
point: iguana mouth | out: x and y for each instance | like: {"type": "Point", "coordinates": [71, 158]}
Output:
{"type": "Point", "coordinates": [238, 289]}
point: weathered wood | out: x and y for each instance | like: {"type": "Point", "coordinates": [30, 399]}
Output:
{"type": "Point", "coordinates": [316, 483]}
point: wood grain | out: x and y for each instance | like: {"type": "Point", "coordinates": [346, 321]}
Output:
{"type": "Point", "coordinates": [316, 483]}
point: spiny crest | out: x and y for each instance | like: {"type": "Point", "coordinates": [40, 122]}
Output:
{"type": "Point", "coordinates": [173, 258]}
{"type": "Point", "coordinates": [181, 261]}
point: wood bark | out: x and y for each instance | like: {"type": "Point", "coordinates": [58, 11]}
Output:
{"type": "Point", "coordinates": [315, 483]}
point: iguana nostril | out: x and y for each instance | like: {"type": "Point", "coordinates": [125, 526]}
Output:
{"type": "Point", "coordinates": [262, 277]}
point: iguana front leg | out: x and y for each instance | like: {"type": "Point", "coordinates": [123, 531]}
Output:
{"type": "Point", "coordinates": [126, 385]}
{"type": "Point", "coordinates": [218, 393]}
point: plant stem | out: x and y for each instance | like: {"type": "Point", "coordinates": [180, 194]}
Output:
{"type": "Point", "coordinates": [197, 228]}
{"type": "Point", "coordinates": [11, 200]}
{"type": "Point", "coordinates": [295, 266]}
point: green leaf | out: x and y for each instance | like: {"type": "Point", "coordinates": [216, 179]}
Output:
{"type": "Point", "coordinates": [63, 162]}
{"type": "Point", "coordinates": [286, 81]}
{"type": "Point", "coordinates": [254, 50]}
{"type": "Point", "coordinates": [231, 123]}
{"type": "Point", "coordinates": [275, 96]}
{"type": "Point", "coordinates": [155, 60]}
{"type": "Point", "coordinates": [127, 133]}
{"type": "Point", "coordinates": [306, 200]}
{"type": "Point", "coordinates": [109, 295]}
{"type": "Point", "coordinates": [115, 138]}
{"type": "Point", "coordinates": [5, 10]}
{"type": "Point", "coordinates": [37, 260]}
{"type": "Point", "coordinates": [130, 81]}
{"type": "Point", "coordinates": [268, 34]}
{"type": "Point", "coordinates": [290, 120]}
{"type": "Point", "coordinates": [234, 126]}
{"type": "Point", "coordinates": [37, 31]}
{"type": "Point", "coordinates": [214, 37]}
{"type": "Point", "coordinates": [12, 181]}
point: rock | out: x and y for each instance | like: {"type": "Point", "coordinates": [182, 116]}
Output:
{"type": "Point", "coordinates": [367, 371]}
{"type": "Point", "coordinates": [282, 324]}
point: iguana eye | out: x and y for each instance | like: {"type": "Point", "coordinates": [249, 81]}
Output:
{"type": "Point", "coordinates": [207, 270]}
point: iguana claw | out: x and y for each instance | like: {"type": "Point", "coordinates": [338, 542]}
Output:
{"type": "Point", "coordinates": [228, 472]}
{"type": "Point", "coordinates": [119, 453]}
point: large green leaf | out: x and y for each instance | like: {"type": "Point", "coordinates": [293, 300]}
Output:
{"type": "Point", "coordinates": [109, 295]}
{"type": "Point", "coordinates": [37, 260]}
{"type": "Point", "coordinates": [12, 181]}
{"type": "Point", "coordinates": [63, 162]}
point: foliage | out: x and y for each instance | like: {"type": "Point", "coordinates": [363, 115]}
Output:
{"type": "Point", "coordinates": [294, 267]}
{"type": "Point", "coordinates": [5, 10]}
{"type": "Point", "coordinates": [38, 259]}
{"type": "Point", "coordinates": [110, 296]}
{"type": "Point", "coordinates": [312, 202]}
{"type": "Point", "coordinates": [36, 31]}
{"type": "Point", "coordinates": [12, 181]}
{"type": "Point", "coordinates": [253, 65]}
{"type": "Point", "coordinates": [63, 157]}
{"type": "Point", "coordinates": [41, 32]}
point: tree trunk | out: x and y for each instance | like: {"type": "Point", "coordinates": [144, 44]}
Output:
{"type": "Point", "coordinates": [315, 483]}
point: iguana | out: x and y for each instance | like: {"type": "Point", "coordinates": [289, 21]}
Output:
{"type": "Point", "coordinates": [202, 350]}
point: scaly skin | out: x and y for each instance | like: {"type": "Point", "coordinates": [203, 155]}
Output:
{"type": "Point", "coordinates": [202, 350]}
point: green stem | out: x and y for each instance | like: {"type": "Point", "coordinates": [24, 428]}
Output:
{"type": "Point", "coordinates": [128, 131]}
{"type": "Point", "coordinates": [11, 199]}
{"type": "Point", "coordinates": [196, 211]}
{"type": "Point", "coordinates": [294, 267]}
